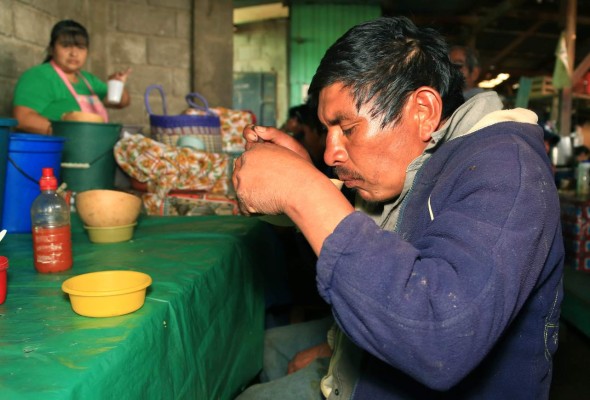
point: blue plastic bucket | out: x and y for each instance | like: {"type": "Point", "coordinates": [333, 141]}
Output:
{"type": "Point", "coordinates": [28, 154]}
{"type": "Point", "coordinates": [5, 125]}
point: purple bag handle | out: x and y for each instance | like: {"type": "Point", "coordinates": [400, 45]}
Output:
{"type": "Point", "coordinates": [147, 98]}
{"type": "Point", "coordinates": [194, 105]}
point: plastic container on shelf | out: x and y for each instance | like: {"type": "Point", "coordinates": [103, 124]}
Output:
{"type": "Point", "coordinates": [50, 226]}
{"type": "Point", "coordinates": [583, 178]}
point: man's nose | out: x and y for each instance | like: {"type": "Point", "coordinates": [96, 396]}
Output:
{"type": "Point", "coordinates": [335, 152]}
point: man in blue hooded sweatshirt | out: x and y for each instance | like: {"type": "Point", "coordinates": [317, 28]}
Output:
{"type": "Point", "coordinates": [453, 289]}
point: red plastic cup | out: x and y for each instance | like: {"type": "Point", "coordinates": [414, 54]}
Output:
{"type": "Point", "coordinates": [3, 268]}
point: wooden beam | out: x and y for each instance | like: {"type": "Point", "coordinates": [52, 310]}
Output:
{"type": "Point", "coordinates": [542, 35]}
{"type": "Point", "coordinates": [581, 69]}
{"type": "Point", "coordinates": [495, 13]}
{"type": "Point", "coordinates": [474, 20]}
{"type": "Point", "coordinates": [565, 113]}
{"type": "Point", "coordinates": [512, 46]}
{"type": "Point", "coordinates": [545, 16]}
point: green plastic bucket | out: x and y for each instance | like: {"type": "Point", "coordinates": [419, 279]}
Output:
{"type": "Point", "coordinates": [88, 161]}
{"type": "Point", "coordinates": [5, 125]}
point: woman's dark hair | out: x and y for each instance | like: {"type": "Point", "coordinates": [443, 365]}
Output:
{"type": "Point", "coordinates": [384, 61]}
{"type": "Point", "coordinates": [68, 32]}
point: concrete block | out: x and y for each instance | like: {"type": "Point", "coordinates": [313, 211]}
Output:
{"type": "Point", "coordinates": [181, 4]}
{"type": "Point", "coordinates": [130, 1]}
{"type": "Point", "coordinates": [183, 25]}
{"type": "Point", "coordinates": [134, 114]}
{"type": "Point", "coordinates": [181, 85]}
{"type": "Point", "coordinates": [49, 6]}
{"type": "Point", "coordinates": [6, 21]}
{"type": "Point", "coordinates": [68, 9]}
{"type": "Point", "coordinates": [7, 90]}
{"type": "Point", "coordinates": [247, 53]}
{"type": "Point", "coordinates": [32, 25]}
{"type": "Point", "coordinates": [176, 104]}
{"type": "Point", "coordinates": [126, 48]}
{"type": "Point", "coordinates": [168, 52]}
{"type": "Point", "coordinates": [146, 75]}
{"type": "Point", "coordinates": [146, 20]}
{"type": "Point", "coordinates": [16, 57]}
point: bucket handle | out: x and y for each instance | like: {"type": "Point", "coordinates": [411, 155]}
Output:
{"type": "Point", "coordinates": [19, 169]}
{"type": "Point", "coordinates": [84, 165]}
{"type": "Point", "coordinates": [147, 98]}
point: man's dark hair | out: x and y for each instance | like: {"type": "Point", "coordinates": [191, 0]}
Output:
{"type": "Point", "coordinates": [68, 32]}
{"type": "Point", "coordinates": [384, 61]}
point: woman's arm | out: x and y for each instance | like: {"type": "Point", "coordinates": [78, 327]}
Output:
{"type": "Point", "coordinates": [31, 121]}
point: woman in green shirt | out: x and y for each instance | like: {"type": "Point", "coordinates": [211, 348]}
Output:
{"type": "Point", "coordinates": [59, 85]}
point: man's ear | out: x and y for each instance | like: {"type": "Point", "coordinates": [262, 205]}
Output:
{"type": "Point", "coordinates": [428, 111]}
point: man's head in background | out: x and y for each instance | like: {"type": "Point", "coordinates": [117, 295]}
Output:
{"type": "Point", "coordinates": [466, 59]}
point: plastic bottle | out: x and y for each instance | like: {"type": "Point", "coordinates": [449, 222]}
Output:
{"type": "Point", "coordinates": [52, 236]}
{"type": "Point", "coordinates": [583, 178]}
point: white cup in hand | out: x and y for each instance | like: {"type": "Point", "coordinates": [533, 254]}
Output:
{"type": "Point", "coordinates": [114, 91]}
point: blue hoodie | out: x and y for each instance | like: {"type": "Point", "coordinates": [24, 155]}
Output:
{"type": "Point", "coordinates": [461, 299]}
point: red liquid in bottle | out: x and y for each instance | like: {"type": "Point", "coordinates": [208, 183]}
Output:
{"type": "Point", "coordinates": [52, 249]}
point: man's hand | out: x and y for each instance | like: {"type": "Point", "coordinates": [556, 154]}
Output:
{"type": "Point", "coordinates": [275, 175]}
{"type": "Point", "coordinates": [306, 357]}
{"type": "Point", "coordinates": [263, 134]}
{"type": "Point", "coordinates": [267, 177]}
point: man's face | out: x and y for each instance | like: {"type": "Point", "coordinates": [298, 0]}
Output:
{"type": "Point", "coordinates": [458, 57]}
{"type": "Point", "coordinates": [367, 158]}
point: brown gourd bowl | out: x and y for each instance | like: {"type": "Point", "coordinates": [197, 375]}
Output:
{"type": "Point", "coordinates": [104, 208]}
{"type": "Point", "coordinates": [81, 116]}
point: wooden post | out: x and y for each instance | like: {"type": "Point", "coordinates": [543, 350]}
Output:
{"type": "Point", "coordinates": [566, 93]}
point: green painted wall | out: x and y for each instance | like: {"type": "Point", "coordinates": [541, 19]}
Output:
{"type": "Point", "coordinates": [313, 28]}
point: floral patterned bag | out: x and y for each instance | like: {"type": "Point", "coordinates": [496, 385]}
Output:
{"type": "Point", "coordinates": [167, 168]}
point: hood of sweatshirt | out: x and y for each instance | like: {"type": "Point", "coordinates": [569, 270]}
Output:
{"type": "Point", "coordinates": [479, 112]}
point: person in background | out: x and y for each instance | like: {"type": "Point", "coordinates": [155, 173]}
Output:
{"type": "Point", "coordinates": [454, 290]}
{"type": "Point", "coordinates": [59, 85]}
{"type": "Point", "coordinates": [551, 139]}
{"type": "Point", "coordinates": [313, 137]}
{"type": "Point", "coordinates": [581, 153]}
{"type": "Point", "coordinates": [294, 123]}
{"type": "Point", "coordinates": [466, 58]}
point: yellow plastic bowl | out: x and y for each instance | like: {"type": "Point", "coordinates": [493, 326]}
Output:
{"type": "Point", "coordinates": [107, 293]}
{"type": "Point", "coordinates": [110, 234]}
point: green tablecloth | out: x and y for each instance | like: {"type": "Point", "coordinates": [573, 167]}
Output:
{"type": "Point", "coordinates": [199, 334]}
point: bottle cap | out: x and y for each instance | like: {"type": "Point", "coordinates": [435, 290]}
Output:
{"type": "Point", "coordinates": [48, 181]}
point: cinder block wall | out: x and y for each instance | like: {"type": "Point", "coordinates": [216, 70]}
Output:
{"type": "Point", "coordinates": [263, 47]}
{"type": "Point", "coordinates": [153, 37]}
